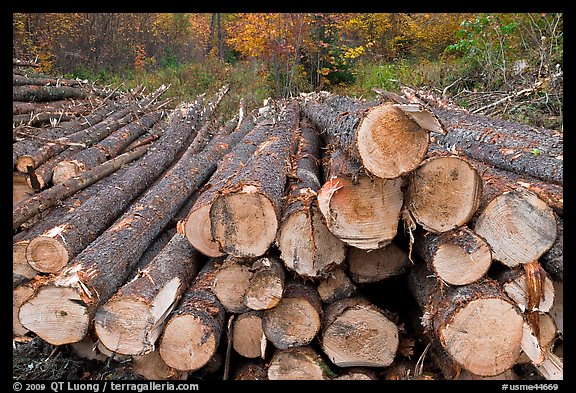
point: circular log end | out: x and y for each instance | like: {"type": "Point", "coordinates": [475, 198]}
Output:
{"type": "Point", "coordinates": [122, 326]}
{"type": "Point", "coordinates": [46, 254]}
{"type": "Point", "coordinates": [56, 314]}
{"type": "Point", "coordinates": [230, 285]}
{"type": "Point", "coordinates": [391, 144]}
{"type": "Point", "coordinates": [370, 266]}
{"type": "Point", "coordinates": [23, 162]}
{"type": "Point", "coordinates": [19, 295]}
{"type": "Point", "coordinates": [307, 246]}
{"type": "Point", "coordinates": [364, 215]}
{"type": "Point", "coordinates": [484, 336]}
{"type": "Point", "coordinates": [65, 170]}
{"type": "Point", "coordinates": [265, 293]}
{"type": "Point", "coordinates": [188, 343]}
{"type": "Point", "coordinates": [20, 263]}
{"type": "Point", "coordinates": [518, 226]}
{"type": "Point", "coordinates": [444, 193]}
{"type": "Point", "coordinates": [244, 223]}
{"type": "Point", "coordinates": [197, 229]}
{"type": "Point", "coordinates": [300, 363]}
{"type": "Point", "coordinates": [248, 336]}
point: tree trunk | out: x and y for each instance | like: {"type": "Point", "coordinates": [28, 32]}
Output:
{"type": "Point", "coordinates": [91, 278]}
{"type": "Point", "coordinates": [295, 321]}
{"type": "Point", "coordinates": [306, 245]}
{"type": "Point", "coordinates": [197, 225]}
{"type": "Point", "coordinates": [461, 318]}
{"type": "Point", "coordinates": [443, 193]}
{"type": "Point", "coordinates": [248, 338]}
{"type": "Point", "coordinates": [106, 149]}
{"type": "Point", "coordinates": [79, 107]}
{"type": "Point", "coordinates": [365, 267]}
{"type": "Point", "coordinates": [518, 226]}
{"type": "Point", "coordinates": [299, 363]}
{"type": "Point", "coordinates": [46, 93]}
{"type": "Point", "coordinates": [39, 119]}
{"type": "Point", "coordinates": [335, 286]}
{"type": "Point", "coordinates": [387, 140]}
{"type": "Point", "coordinates": [457, 257]}
{"type": "Point", "coordinates": [529, 295]}
{"type": "Point", "coordinates": [193, 331]}
{"type": "Point", "coordinates": [245, 216]}
{"type": "Point", "coordinates": [266, 284]}
{"type": "Point", "coordinates": [357, 333]}
{"type": "Point", "coordinates": [51, 196]}
{"type": "Point", "coordinates": [131, 321]}
{"type": "Point", "coordinates": [19, 80]}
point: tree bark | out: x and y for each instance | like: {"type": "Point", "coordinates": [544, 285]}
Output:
{"type": "Point", "coordinates": [266, 284]}
{"type": "Point", "coordinates": [80, 107]}
{"type": "Point", "coordinates": [131, 321]}
{"type": "Point", "coordinates": [90, 278]}
{"type": "Point", "coordinates": [457, 257]}
{"type": "Point", "coordinates": [306, 244]}
{"type": "Point", "coordinates": [193, 331]}
{"type": "Point", "coordinates": [460, 318]}
{"type": "Point", "coordinates": [106, 149]}
{"type": "Point", "coordinates": [443, 193]}
{"type": "Point", "coordinates": [357, 333]}
{"type": "Point", "coordinates": [51, 196]}
{"type": "Point", "coordinates": [372, 266]}
{"type": "Point", "coordinates": [299, 363]}
{"type": "Point", "coordinates": [46, 93]}
{"type": "Point", "coordinates": [39, 119]}
{"type": "Point", "coordinates": [244, 218]}
{"type": "Point", "coordinates": [296, 320]}
{"type": "Point", "coordinates": [553, 260]}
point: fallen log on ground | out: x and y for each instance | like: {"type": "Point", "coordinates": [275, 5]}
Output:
{"type": "Point", "coordinates": [45, 93]}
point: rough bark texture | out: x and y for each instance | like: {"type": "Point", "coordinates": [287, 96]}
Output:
{"type": "Point", "coordinates": [357, 333]}
{"type": "Point", "coordinates": [45, 93]}
{"type": "Point", "coordinates": [457, 257]}
{"type": "Point", "coordinates": [20, 80]}
{"type": "Point", "coordinates": [245, 216]}
{"type": "Point", "coordinates": [553, 260]}
{"type": "Point", "coordinates": [39, 119]}
{"type": "Point", "coordinates": [305, 242]}
{"type": "Point", "coordinates": [194, 329]}
{"type": "Point", "coordinates": [477, 324]}
{"type": "Point", "coordinates": [108, 148]}
{"type": "Point", "coordinates": [131, 321]}
{"type": "Point", "coordinates": [335, 286]}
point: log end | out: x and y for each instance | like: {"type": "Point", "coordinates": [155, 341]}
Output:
{"type": "Point", "coordinates": [20, 265]}
{"type": "Point", "coordinates": [46, 254]}
{"type": "Point", "coordinates": [244, 223]}
{"type": "Point", "coordinates": [23, 162]}
{"type": "Point", "coordinates": [65, 170]}
{"type": "Point", "coordinates": [248, 338]}
{"type": "Point", "coordinates": [370, 266]}
{"type": "Point", "coordinates": [19, 295]}
{"type": "Point", "coordinates": [197, 229]}
{"type": "Point", "coordinates": [300, 363]}
{"type": "Point", "coordinates": [58, 315]}
{"type": "Point", "coordinates": [390, 143]}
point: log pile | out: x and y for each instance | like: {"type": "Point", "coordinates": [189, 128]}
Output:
{"type": "Point", "coordinates": [319, 237]}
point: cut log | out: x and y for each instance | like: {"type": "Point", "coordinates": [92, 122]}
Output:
{"type": "Point", "coordinates": [536, 348]}
{"type": "Point", "coordinates": [245, 217]}
{"type": "Point", "coordinates": [300, 363]}
{"type": "Point", "coordinates": [20, 189]}
{"type": "Point", "coordinates": [249, 371]}
{"type": "Point", "coordinates": [370, 266]}
{"type": "Point", "coordinates": [131, 321]}
{"type": "Point", "coordinates": [266, 284]}
{"type": "Point", "coordinates": [457, 257]}
{"type": "Point", "coordinates": [355, 332]}
{"type": "Point", "coordinates": [306, 244]}
{"type": "Point", "coordinates": [49, 197]}
{"type": "Point", "coordinates": [67, 239]}
{"type": "Point", "coordinates": [46, 93]}
{"type": "Point", "coordinates": [81, 107]}
{"type": "Point", "coordinates": [557, 310]}
{"type": "Point", "coordinates": [107, 148]}
{"type": "Point", "coordinates": [20, 294]}
{"type": "Point", "coordinates": [518, 226]}
{"type": "Point", "coordinates": [19, 80]}
{"type": "Point", "coordinates": [529, 296]}
{"type": "Point", "coordinates": [21, 270]}
{"type": "Point", "coordinates": [193, 331]}
{"type": "Point", "coordinates": [443, 193]}
{"type": "Point", "coordinates": [363, 214]}
{"type": "Point", "coordinates": [387, 140]}
{"type": "Point", "coordinates": [335, 286]}
{"type": "Point", "coordinates": [197, 225]}
{"type": "Point", "coordinates": [476, 324]}
{"type": "Point", "coordinates": [39, 119]}
{"type": "Point", "coordinates": [295, 321]}
{"type": "Point", "coordinates": [248, 338]}
{"type": "Point", "coordinates": [88, 349]}
{"type": "Point", "coordinates": [90, 279]}
{"type": "Point", "coordinates": [152, 367]}
{"type": "Point", "coordinates": [231, 283]}
{"type": "Point", "coordinates": [357, 374]}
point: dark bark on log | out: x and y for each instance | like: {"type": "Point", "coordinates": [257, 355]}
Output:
{"type": "Point", "coordinates": [335, 286]}
{"type": "Point", "coordinates": [89, 278]}
{"type": "Point", "coordinates": [461, 318]}
{"type": "Point", "coordinates": [457, 257]}
{"type": "Point", "coordinates": [49, 197]}
{"type": "Point", "coordinates": [154, 249]}
{"type": "Point", "coordinates": [296, 320]}
{"type": "Point", "coordinates": [505, 145]}
{"type": "Point", "coordinates": [39, 119]}
{"type": "Point", "coordinates": [131, 321]}
{"type": "Point", "coordinates": [192, 334]}
{"type": "Point", "coordinates": [248, 231]}
{"type": "Point", "coordinates": [66, 106]}
{"type": "Point", "coordinates": [18, 80]}
{"type": "Point", "coordinates": [305, 242]}
{"type": "Point", "coordinates": [107, 148]}
{"type": "Point", "coordinates": [46, 93]}
{"type": "Point", "coordinates": [553, 260]}
{"type": "Point", "coordinates": [97, 214]}
{"type": "Point", "coordinates": [357, 333]}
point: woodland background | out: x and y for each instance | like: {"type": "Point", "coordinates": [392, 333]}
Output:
{"type": "Point", "coordinates": [502, 64]}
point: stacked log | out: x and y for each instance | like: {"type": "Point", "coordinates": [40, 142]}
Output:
{"type": "Point", "coordinates": [317, 238]}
